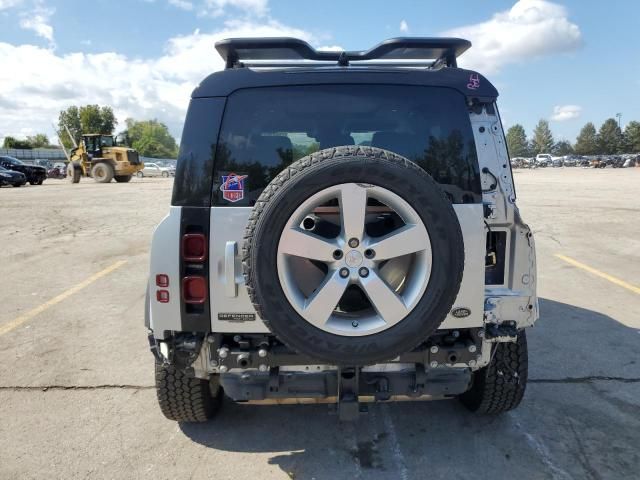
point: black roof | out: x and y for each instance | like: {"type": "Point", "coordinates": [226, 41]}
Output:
{"type": "Point", "coordinates": [431, 62]}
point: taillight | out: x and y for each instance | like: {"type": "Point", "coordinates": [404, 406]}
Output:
{"type": "Point", "coordinates": [194, 290]}
{"type": "Point", "coordinates": [194, 247]}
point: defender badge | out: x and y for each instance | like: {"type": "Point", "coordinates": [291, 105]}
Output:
{"type": "Point", "coordinates": [233, 187]}
{"type": "Point", "coordinates": [461, 312]}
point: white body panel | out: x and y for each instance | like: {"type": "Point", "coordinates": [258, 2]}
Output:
{"type": "Point", "coordinates": [165, 259]}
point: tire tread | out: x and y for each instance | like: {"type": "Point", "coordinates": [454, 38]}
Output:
{"type": "Point", "coordinates": [183, 398]}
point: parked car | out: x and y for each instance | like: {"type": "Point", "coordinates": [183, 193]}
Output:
{"type": "Point", "coordinates": [57, 172]}
{"type": "Point", "coordinates": [153, 170]}
{"type": "Point", "coordinates": [9, 177]}
{"type": "Point", "coordinates": [35, 175]}
{"type": "Point", "coordinates": [557, 162]}
{"type": "Point", "coordinates": [543, 160]}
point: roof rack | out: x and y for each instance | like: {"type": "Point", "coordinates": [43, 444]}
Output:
{"type": "Point", "coordinates": [293, 52]}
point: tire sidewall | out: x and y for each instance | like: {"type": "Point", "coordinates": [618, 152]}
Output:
{"type": "Point", "coordinates": [417, 188]}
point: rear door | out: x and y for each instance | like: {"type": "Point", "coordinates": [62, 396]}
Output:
{"type": "Point", "coordinates": [428, 125]}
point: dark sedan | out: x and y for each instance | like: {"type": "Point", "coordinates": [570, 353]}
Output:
{"type": "Point", "coordinates": [9, 177]}
{"type": "Point", "coordinates": [35, 174]}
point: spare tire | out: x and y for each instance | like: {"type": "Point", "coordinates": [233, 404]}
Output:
{"type": "Point", "coordinates": [353, 255]}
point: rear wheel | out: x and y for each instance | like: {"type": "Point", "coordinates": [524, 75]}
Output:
{"type": "Point", "coordinates": [499, 387]}
{"type": "Point", "coordinates": [102, 172]}
{"type": "Point", "coordinates": [73, 173]}
{"type": "Point", "coordinates": [123, 178]}
{"type": "Point", "coordinates": [165, 174]}
{"type": "Point", "coordinates": [183, 398]}
{"type": "Point", "coordinates": [139, 174]}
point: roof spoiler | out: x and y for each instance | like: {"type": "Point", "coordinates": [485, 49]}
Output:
{"type": "Point", "coordinates": [293, 52]}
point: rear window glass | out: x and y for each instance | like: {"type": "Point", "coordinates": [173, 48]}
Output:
{"type": "Point", "coordinates": [266, 129]}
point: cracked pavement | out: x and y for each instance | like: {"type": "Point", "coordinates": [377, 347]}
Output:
{"type": "Point", "coordinates": [76, 381]}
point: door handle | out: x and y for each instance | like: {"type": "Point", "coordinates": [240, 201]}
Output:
{"type": "Point", "coordinates": [230, 285]}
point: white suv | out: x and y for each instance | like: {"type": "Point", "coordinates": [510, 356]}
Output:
{"type": "Point", "coordinates": [341, 233]}
{"type": "Point", "coordinates": [153, 170]}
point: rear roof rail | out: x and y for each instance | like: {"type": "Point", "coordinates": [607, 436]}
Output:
{"type": "Point", "coordinates": [293, 52]}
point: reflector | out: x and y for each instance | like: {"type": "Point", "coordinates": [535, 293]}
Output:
{"type": "Point", "coordinates": [162, 296]}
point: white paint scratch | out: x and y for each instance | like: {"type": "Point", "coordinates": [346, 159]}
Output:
{"type": "Point", "coordinates": [541, 449]}
{"type": "Point", "coordinates": [398, 457]}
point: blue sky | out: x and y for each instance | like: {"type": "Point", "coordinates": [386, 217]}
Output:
{"type": "Point", "coordinates": [567, 61]}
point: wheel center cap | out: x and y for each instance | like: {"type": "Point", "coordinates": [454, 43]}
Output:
{"type": "Point", "coordinates": [353, 259]}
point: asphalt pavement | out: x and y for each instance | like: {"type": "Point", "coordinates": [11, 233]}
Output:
{"type": "Point", "coordinates": [76, 376]}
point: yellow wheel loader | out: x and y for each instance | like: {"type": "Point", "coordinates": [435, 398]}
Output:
{"type": "Point", "coordinates": [98, 156]}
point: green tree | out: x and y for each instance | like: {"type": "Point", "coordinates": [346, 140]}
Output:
{"type": "Point", "coordinates": [562, 148]}
{"type": "Point", "coordinates": [151, 138]}
{"type": "Point", "coordinates": [587, 140]}
{"type": "Point", "coordinates": [632, 137]}
{"type": "Point", "coordinates": [542, 138]}
{"type": "Point", "coordinates": [85, 119]}
{"type": "Point", "coordinates": [71, 119]}
{"type": "Point", "coordinates": [12, 142]}
{"type": "Point", "coordinates": [609, 137]}
{"type": "Point", "coordinates": [517, 142]}
{"type": "Point", "coordinates": [39, 140]}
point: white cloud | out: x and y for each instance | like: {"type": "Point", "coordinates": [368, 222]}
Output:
{"type": "Point", "coordinates": [38, 20]}
{"type": "Point", "coordinates": [218, 7]}
{"type": "Point", "coordinates": [139, 88]}
{"type": "Point", "coordinates": [4, 4]}
{"type": "Point", "coordinates": [182, 4]}
{"type": "Point", "coordinates": [404, 27]}
{"type": "Point", "coordinates": [565, 112]}
{"type": "Point", "coordinates": [531, 28]}
{"type": "Point", "coordinates": [331, 48]}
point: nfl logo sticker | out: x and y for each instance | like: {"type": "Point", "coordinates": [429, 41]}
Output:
{"type": "Point", "coordinates": [233, 187]}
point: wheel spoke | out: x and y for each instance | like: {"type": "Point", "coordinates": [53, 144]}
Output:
{"type": "Point", "coordinates": [405, 240]}
{"type": "Point", "coordinates": [353, 208]}
{"type": "Point", "coordinates": [386, 302]}
{"type": "Point", "coordinates": [307, 245]}
{"type": "Point", "coordinates": [319, 307]}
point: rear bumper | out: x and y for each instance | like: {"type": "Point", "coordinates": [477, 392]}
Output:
{"type": "Point", "coordinates": [372, 385]}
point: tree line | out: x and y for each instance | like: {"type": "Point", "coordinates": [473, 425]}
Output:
{"type": "Point", "coordinates": [150, 138]}
{"type": "Point", "coordinates": [608, 140]}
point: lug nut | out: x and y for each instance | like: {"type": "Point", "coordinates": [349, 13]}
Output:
{"type": "Point", "coordinates": [354, 242]}
{"type": "Point", "coordinates": [262, 352]}
{"type": "Point", "coordinates": [472, 348]}
{"type": "Point", "coordinates": [344, 272]}
{"type": "Point", "coordinates": [337, 254]}
{"type": "Point", "coordinates": [434, 349]}
{"type": "Point", "coordinates": [364, 272]}
{"type": "Point", "coordinates": [223, 352]}
{"type": "Point", "coordinates": [263, 368]}
{"type": "Point", "coordinates": [223, 369]}
{"type": "Point", "coordinates": [368, 253]}
{"type": "Point", "coordinates": [433, 364]}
